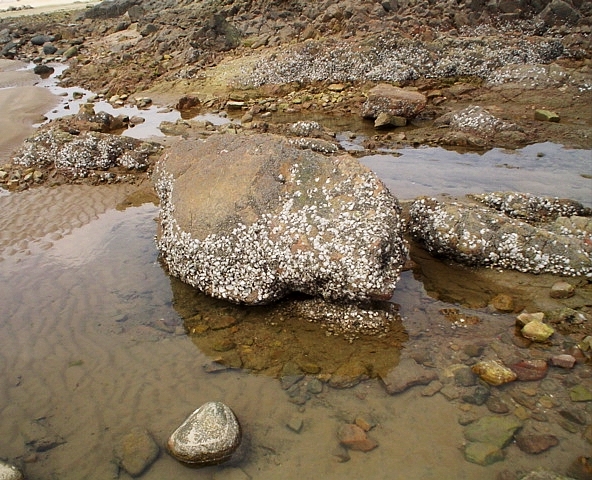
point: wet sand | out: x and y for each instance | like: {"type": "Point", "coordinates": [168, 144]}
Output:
{"type": "Point", "coordinates": [22, 105]}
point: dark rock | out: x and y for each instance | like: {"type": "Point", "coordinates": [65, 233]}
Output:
{"type": "Point", "coordinates": [354, 438]}
{"type": "Point", "coordinates": [464, 377]}
{"type": "Point", "coordinates": [41, 39]}
{"type": "Point", "coordinates": [43, 70]}
{"type": "Point", "coordinates": [269, 219]}
{"type": "Point", "coordinates": [394, 101]}
{"type": "Point", "coordinates": [533, 444]}
{"type": "Point", "coordinates": [558, 12]}
{"type": "Point", "coordinates": [136, 451]}
{"type": "Point", "coordinates": [530, 370]}
{"type": "Point", "coordinates": [49, 49]}
{"type": "Point", "coordinates": [478, 396]}
{"type": "Point", "coordinates": [187, 102]}
{"type": "Point", "coordinates": [407, 374]}
{"type": "Point", "coordinates": [497, 405]}
{"type": "Point", "coordinates": [109, 9]}
{"type": "Point", "coordinates": [209, 436]}
{"type": "Point", "coordinates": [574, 415]}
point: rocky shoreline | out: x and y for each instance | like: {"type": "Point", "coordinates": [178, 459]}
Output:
{"type": "Point", "coordinates": [503, 74]}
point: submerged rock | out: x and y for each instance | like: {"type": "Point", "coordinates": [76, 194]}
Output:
{"type": "Point", "coordinates": [209, 436]}
{"type": "Point", "coordinates": [407, 374]}
{"type": "Point", "coordinates": [494, 430]}
{"type": "Point", "coordinates": [251, 218]}
{"type": "Point", "coordinates": [475, 235]}
{"type": "Point", "coordinates": [355, 438]}
{"type": "Point", "coordinates": [136, 451]}
{"type": "Point", "coordinates": [537, 331]}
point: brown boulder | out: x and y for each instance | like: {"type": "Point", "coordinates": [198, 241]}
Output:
{"type": "Point", "coordinates": [394, 101]}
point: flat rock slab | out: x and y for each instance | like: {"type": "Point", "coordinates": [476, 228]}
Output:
{"type": "Point", "coordinates": [493, 430]}
{"type": "Point", "coordinates": [251, 218]}
{"type": "Point", "coordinates": [407, 374]}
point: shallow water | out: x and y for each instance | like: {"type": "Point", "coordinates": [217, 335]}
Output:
{"type": "Point", "coordinates": [93, 342]}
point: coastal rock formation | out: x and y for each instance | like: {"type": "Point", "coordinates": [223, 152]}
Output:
{"type": "Point", "coordinates": [252, 218]}
{"type": "Point", "coordinates": [474, 235]}
{"type": "Point", "coordinates": [209, 436]}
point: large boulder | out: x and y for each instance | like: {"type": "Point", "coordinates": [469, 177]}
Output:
{"type": "Point", "coordinates": [501, 237]}
{"type": "Point", "coordinates": [209, 436]}
{"type": "Point", "coordinates": [394, 101]}
{"type": "Point", "coordinates": [252, 218]}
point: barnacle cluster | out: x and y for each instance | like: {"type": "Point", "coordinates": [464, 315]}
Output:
{"type": "Point", "coordinates": [391, 59]}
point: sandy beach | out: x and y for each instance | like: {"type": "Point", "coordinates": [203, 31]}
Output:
{"type": "Point", "coordinates": [22, 104]}
{"type": "Point", "coordinates": [11, 8]}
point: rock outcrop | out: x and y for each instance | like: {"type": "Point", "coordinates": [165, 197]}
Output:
{"type": "Point", "coordinates": [252, 218]}
{"type": "Point", "coordinates": [501, 237]}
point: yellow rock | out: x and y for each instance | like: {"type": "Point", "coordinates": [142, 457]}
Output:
{"type": "Point", "coordinates": [493, 372]}
{"type": "Point", "coordinates": [537, 331]}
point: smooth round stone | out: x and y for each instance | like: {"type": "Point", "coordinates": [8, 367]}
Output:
{"type": "Point", "coordinates": [209, 436]}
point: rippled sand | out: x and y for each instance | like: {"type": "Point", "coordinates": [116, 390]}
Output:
{"type": "Point", "coordinates": [22, 104]}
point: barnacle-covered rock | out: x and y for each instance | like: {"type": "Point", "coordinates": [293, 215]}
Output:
{"type": "Point", "coordinates": [78, 154]}
{"type": "Point", "coordinates": [252, 218]}
{"type": "Point", "coordinates": [493, 372]}
{"type": "Point", "coordinates": [475, 235]}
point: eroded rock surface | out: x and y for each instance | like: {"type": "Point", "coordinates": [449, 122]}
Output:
{"type": "Point", "coordinates": [474, 235]}
{"type": "Point", "coordinates": [251, 218]}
